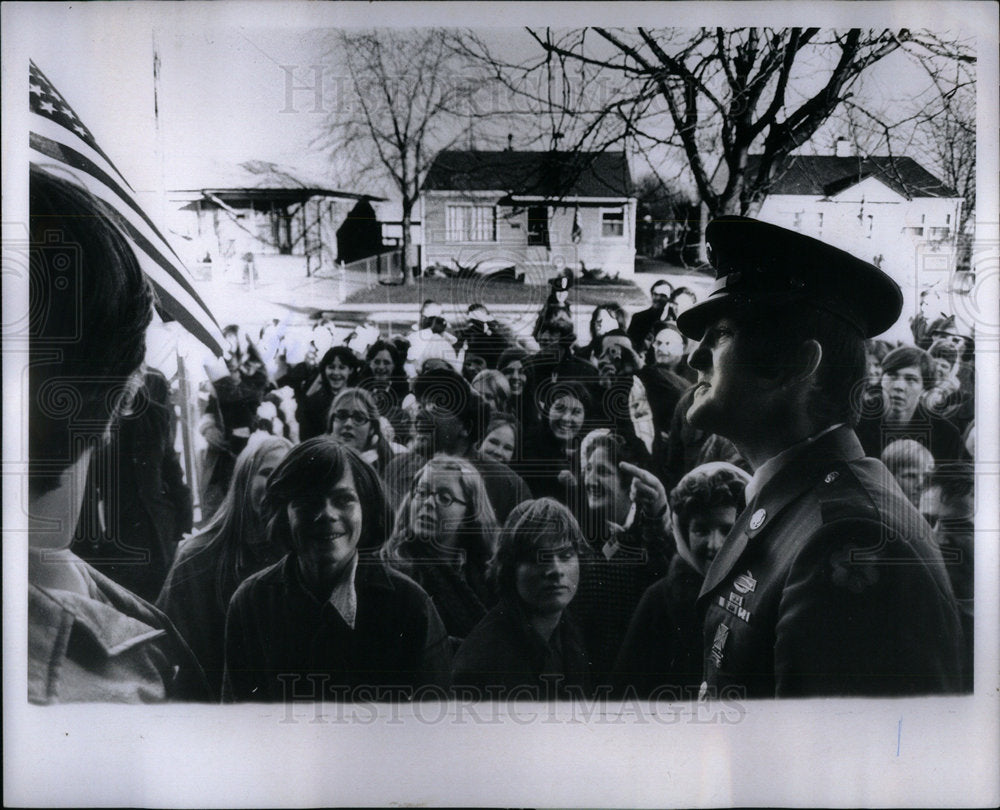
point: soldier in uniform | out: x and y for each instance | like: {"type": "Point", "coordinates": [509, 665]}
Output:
{"type": "Point", "coordinates": [829, 583]}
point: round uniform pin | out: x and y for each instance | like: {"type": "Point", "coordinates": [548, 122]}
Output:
{"type": "Point", "coordinates": [831, 477]}
{"type": "Point", "coordinates": [757, 519]}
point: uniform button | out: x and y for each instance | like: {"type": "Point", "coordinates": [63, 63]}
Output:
{"type": "Point", "coordinates": [831, 477]}
{"type": "Point", "coordinates": [757, 519]}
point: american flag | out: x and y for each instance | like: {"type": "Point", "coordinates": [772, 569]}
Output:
{"type": "Point", "coordinates": [62, 146]}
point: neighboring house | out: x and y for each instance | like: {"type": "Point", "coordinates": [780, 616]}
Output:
{"type": "Point", "coordinates": [263, 209]}
{"type": "Point", "coordinates": [889, 211]}
{"type": "Point", "coordinates": [537, 211]}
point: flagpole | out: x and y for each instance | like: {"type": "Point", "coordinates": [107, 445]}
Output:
{"type": "Point", "coordinates": [158, 130]}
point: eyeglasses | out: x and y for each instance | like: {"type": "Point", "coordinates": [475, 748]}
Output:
{"type": "Point", "coordinates": [357, 417]}
{"type": "Point", "coordinates": [442, 497]}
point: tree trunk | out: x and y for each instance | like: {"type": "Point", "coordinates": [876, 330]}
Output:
{"type": "Point", "coordinates": [407, 219]}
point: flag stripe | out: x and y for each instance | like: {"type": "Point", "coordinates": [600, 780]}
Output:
{"type": "Point", "coordinates": [64, 147]}
{"type": "Point", "coordinates": [178, 299]}
{"type": "Point", "coordinates": [73, 159]}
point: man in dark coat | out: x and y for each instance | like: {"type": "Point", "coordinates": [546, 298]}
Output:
{"type": "Point", "coordinates": [642, 323]}
{"type": "Point", "coordinates": [829, 583]}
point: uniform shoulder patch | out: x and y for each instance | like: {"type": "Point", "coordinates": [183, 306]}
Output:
{"type": "Point", "coordinates": [842, 495]}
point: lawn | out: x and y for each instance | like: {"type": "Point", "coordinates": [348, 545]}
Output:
{"type": "Point", "coordinates": [495, 291]}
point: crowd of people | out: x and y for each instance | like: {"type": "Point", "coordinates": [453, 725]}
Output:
{"type": "Point", "coordinates": [440, 512]}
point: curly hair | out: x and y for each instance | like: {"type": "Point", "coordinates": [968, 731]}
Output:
{"type": "Point", "coordinates": [707, 486]}
{"type": "Point", "coordinates": [530, 527]}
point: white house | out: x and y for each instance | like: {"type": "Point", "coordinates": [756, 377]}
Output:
{"type": "Point", "coordinates": [291, 226]}
{"type": "Point", "coordinates": [535, 211]}
{"type": "Point", "coordinates": [889, 211]}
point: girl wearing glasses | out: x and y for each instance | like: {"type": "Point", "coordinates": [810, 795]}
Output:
{"type": "Point", "coordinates": [445, 534]}
{"type": "Point", "coordinates": [354, 421]}
{"type": "Point", "coordinates": [329, 621]}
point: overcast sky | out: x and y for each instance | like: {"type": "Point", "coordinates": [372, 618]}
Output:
{"type": "Point", "coordinates": [223, 91]}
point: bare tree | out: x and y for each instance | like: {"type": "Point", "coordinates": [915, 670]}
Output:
{"type": "Point", "coordinates": [402, 99]}
{"type": "Point", "coordinates": [712, 95]}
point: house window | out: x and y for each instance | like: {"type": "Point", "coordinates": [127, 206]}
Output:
{"type": "Point", "coordinates": [939, 233]}
{"type": "Point", "coordinates": [819, 223]}
{"type": "Point", "coordinates": [471, 223]}
{"type": "Point", "coordinates": [538, 225]}
{"type": "Point", "coordinates": [613, 222]}
{"type": "Point", "coordinates": [797, 220]}
{"type": "Point", "coordinates": [917, 230]}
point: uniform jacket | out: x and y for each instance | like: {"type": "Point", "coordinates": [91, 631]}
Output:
{"type": "Point", "coordinates": [282, 643]}
{"type": "Point", "coordinates": [830, 584]}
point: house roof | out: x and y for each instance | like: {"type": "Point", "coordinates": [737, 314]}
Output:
{"type": "Point", "coordinates": [825, 175]}
{"type": "Point", "coordinates": [259, 181]}
{"type": "Point", "coordinates": [542, 174]}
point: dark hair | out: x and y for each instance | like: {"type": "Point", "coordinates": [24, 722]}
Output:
{"type": "Point", "coordinates": [314, 467]}
{"type": "Point", "coordinates": [907, 356]}
{"type": "Point", "coordinates": [707, 486]}
{"type": "Point", "coordinates": [944, 350]}
{"type": "Point", "coordinates": [509, 355]}
{"type": "Point", "coordinates": [529, 526]}
{"type": "Point", "coordinates": [451, 391]}
{"type": "Point", "coordinates": [660, 283]}
{"type": "Point", "coordinates": [89, 306]}
{"type": "Point", "coordinates": [386, 346]}
{"type": "Point", "coordinates": [877, 348]}
{"type": "Point", "coordinates": [599, 341]}
{"type": "Point", "coordinates": [346, 356]}
{"type": "Point", "coordinates": [616, 312]}
{"type": "Point", "coordinates": [548, 392]}
{"type": "Point", "coordinates": [771, 336]}
{"type": "Point", "coordinates": [955, 479]}
{"type": "Point", "coordinates": [561, 329]}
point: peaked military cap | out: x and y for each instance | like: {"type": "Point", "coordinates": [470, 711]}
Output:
{"type": "Point", "coordinates": [762, 265]}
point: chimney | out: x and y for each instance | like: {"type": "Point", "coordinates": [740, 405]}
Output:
{"type": "Point", "coordinates": [844, 148]}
